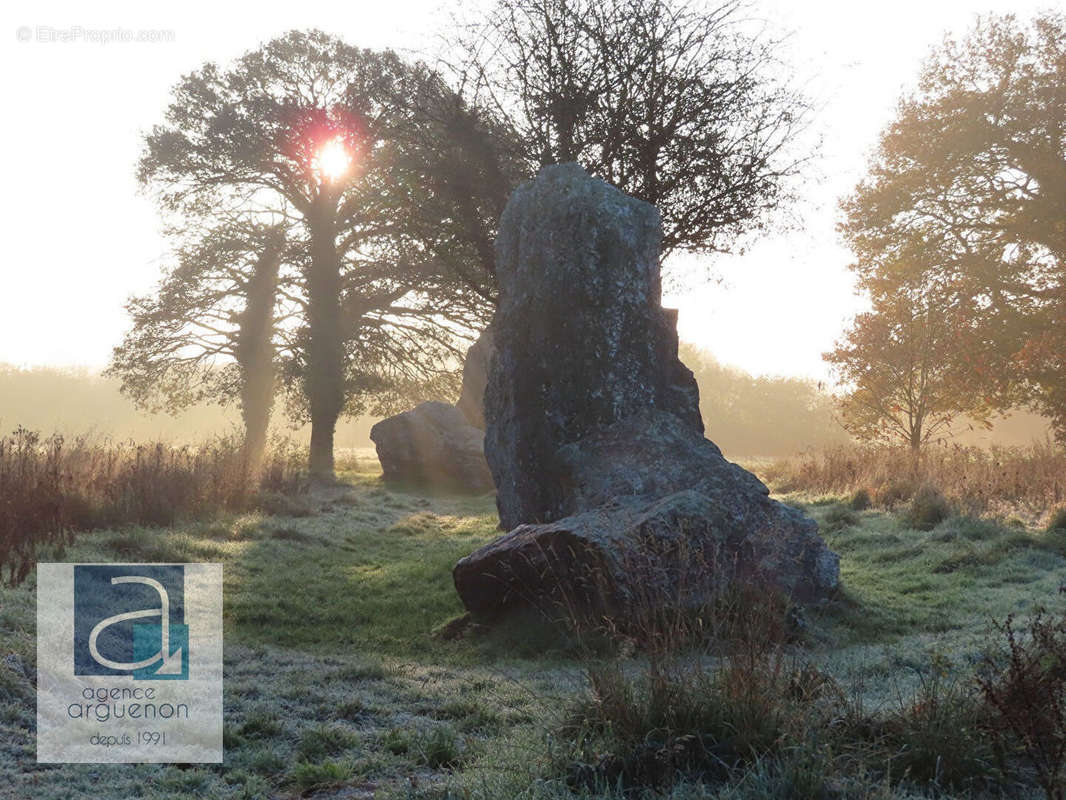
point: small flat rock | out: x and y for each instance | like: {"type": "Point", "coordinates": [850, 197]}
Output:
{"type": "Point", "coordinates": [434, 445]}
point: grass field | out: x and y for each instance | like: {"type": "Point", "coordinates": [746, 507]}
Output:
{"type": "Point", "coordinates": [338, 684]}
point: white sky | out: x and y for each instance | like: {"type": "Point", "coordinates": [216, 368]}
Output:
{"type": "Point", "coordinates": [77, 239]}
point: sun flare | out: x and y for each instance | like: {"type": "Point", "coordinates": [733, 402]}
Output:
{"type": "Point", "coordinates": [333, 160]}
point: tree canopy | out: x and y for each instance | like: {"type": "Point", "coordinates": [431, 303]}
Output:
{"type": "Point", "coordinates": [355, 155]}
{"type": "Point", "coordinates": [675, 103]}
{"type": "Point", "coordinates": [905, 383]}
{"type": "Point", "coordinates": [384, 182]}
{"type": "Point", "coordinates": [965, 197]}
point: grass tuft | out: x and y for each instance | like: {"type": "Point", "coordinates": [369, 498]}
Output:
{"type": "Point", "coordinates": [305, 776]}
{"type": "Point", "coordinates": [927, 509]}
{"type": "Point", "coordinates": [1057, 522]}
{"type": "Point", "coordinates": [860, 500]}
{"type": "Point", "coordinates": [260, 725]}
{"type": "Point", "coordinates": [840, 517]}
{"type": "Point", "coordinates": [324, 740]}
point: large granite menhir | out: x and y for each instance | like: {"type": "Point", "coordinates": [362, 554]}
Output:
{"type": "Point", "coordinates": [582, 340]}
{"type": "Point", "coordinates": [594, 435]}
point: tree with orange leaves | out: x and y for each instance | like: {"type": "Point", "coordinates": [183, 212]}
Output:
{"type": "Point", "coordinates": [967, 193]}
{"type": "Point", "coordinates": [899, 362]}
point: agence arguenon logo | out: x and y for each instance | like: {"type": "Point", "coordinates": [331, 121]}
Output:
{"type": "Point", "coordinates": [129, 663]}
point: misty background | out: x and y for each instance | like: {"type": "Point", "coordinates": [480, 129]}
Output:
{"type": "Point", "coordinates": [747, 416]}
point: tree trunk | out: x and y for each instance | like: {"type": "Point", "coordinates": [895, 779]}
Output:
{"type": "Point", "coordinates": [915, 444]}
{"type": "Point", "coordinates": [324, 381]}
{"type": "Point", "coordinates": [255, 355]}
{"type": "Point", "coordinates": [321, 461]}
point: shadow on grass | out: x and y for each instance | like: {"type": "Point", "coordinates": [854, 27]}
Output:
{"type": "Point", "coordinates": [379, 579]}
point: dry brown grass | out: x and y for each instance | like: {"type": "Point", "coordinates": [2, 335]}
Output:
{"type": "Point", "coordinates": [51, 486]}
{"type": "Point", "coordinates": [998, 481]}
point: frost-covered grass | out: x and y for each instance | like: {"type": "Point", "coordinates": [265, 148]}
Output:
{"type": "Point", "coordinates": [337, 683]}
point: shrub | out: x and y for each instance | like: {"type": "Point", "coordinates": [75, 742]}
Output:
{"type": "Point", "coordinates": [937, 738]}
{"type": "Point", "coordinates": [674, 721]}
{"type": "Point", "coordinates": [1057, 521]}
{"type": "Point", "coordinates": [927, 509]}
{"type": "Point", "coordinates": [860, 500]}
{"type": "Point", "coordinates": [1025, 685]}
{"type": "Point", "coordinates": [677, 717]}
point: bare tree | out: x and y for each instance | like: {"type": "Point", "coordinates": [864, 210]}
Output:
{"type": "Point", "coordinates": [681, 106]}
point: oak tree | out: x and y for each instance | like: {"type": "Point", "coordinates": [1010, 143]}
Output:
{"type": "Point", "coordinates": [389, 272]}
{"type": "Point", "coordinates": [210, 331]}
{"type": "Point", "coordinates": [967, 191]}
{"type": "Point", "coordinates": [903, 380]}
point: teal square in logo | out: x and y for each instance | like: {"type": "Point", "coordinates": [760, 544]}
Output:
{"type": "Point", "coordinates": [148, 643]}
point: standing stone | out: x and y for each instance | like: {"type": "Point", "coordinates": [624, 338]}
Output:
{"type": "Point", "coordinates": [582, 340]}
{"type": "Point", "coordinates": [475, 375]}
{"type": "Point", "coordinates": [594, 435]}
